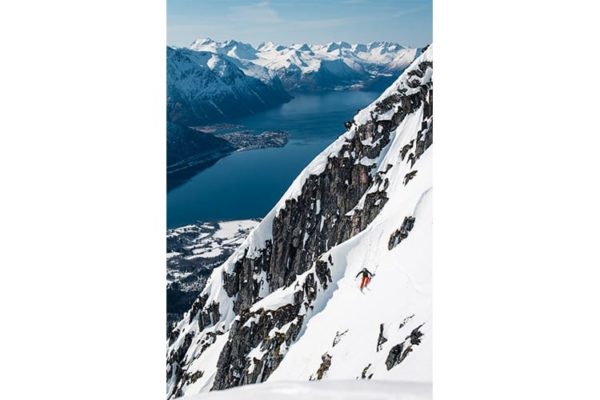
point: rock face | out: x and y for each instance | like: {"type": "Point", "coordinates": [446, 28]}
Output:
{"type": "Point", "coordinates": [400, 351]}
{"type": "Point", "coordinates": [255, 308]}
{"type": "Point", "coordinates": [402, 233]}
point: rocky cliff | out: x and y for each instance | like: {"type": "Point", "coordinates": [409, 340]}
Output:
{"type": "Point", "coordinates": [278, 308]}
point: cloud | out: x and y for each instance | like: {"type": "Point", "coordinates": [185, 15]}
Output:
{"type": "Point", "coordinates": [261, 12]}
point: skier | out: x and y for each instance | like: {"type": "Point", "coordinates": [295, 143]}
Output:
{"type": "Point", "coordinates": [366, 278]}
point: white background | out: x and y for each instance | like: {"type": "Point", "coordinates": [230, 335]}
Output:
{"type": "Point", "coordinates": [82, 209]}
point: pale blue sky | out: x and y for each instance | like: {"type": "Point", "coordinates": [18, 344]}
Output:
{"type": "Point", "coordinates": [407, 22]}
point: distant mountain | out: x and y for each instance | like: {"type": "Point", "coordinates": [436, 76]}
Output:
{"type": "Point", "coordinates": [206, 87]}
{"type": "Point", "coordinates": [304, 67]}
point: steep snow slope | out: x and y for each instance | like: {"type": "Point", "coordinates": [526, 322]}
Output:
{"type": "Point", "coordinates": [333, 390]}
{"type": "Point", "coordinates": [314, 67]}
{"type": "Point", "coordinates": [400, 290]}
{"type": "Point", "coordinates": [286, 306]}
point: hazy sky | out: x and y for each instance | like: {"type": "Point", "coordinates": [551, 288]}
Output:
{"type": "Point", "coordinates": [407, 22]}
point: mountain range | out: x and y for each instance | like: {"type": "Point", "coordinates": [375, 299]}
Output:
{"type": "Point", "coordinates": [213, 81]}
{"type": "Point", "coordinates": [286, 306]}
{"type": "Point", "coordinates": [319, 67]}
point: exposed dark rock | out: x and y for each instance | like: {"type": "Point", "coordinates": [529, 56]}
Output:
{"type": "Point", "coordinates": [416, 72]}
{"type": "Point", "coordinates": [365, 373]}
{"type": "Point", "coordinates": [415, 335]}
{"type": "Point", "coordinates": [424, 140]}
{"type": "Point", "coordinates": [394, 356]}
{"type": "Point", "coordinates": [406, 148]}
{"type": "Point", "coordinates": [173, 335]}
{"type": "Point", "coordinates": [414, 83]}
{"type": "Point", "coordinates": [402, 233]}
{"type": "Point", "coordinates": [411, 159]}
{"type": "Point", "coordinates": [409, 176]}
{"type": "Point", "coordinates": [424, 65]}
{"type": "Point", "coordinates": [323, 368]}
{"type": "Point", "coordinates": [250, 330]}
{"type": "Point", "coordinates": [381, 339]}
{"type": "Point", "coordinates": [323, 273]}
{"type": "Point", "coordinates": [206, 315]}
{"type": "Point", "coordinates": [176, 359]}
{"type": "Point", "coordinates": [399, 352]}
{"type": "Point", "coordinates": [191, 378]}
{"type": "Point", "coordinates": [338, 337]}
{"type": "Point", "coordinates": [405, 321]}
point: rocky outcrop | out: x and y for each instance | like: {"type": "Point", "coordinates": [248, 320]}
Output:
{"type": "Point", "coordinates": [261, 330]}
{"type": "Point", "coordinates": [323, 368]}
{"type": "Point", "coordinates": [381, 339]}
{"type": "Point", "coordinates": [400, 351]}
{"type": "Point", "coordinates": [366, 374]}
{"type": "Point", "coordinates": [338, 337]}
{"type": "Point", "coordinates": [402, 233]}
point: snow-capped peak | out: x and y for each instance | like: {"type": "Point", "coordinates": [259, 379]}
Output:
{"type": "Point", "coordinates": [338, 45]}
{"type": "Point", "coordinates": [304, 66]}
{"type": "Point", "coordinates": [202, 42]}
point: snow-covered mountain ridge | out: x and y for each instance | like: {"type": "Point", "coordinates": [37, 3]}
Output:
{"type": "Point", "coordinates": [304, 67]}
{"type": "Point", "coordinates": [285, 306]}
{"type": "Point", "coordinates": [204, 87]}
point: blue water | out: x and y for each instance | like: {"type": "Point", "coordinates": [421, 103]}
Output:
{"type": "Point", "coordinates": [247, 184]}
